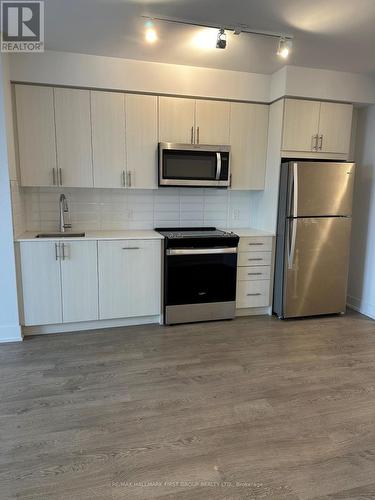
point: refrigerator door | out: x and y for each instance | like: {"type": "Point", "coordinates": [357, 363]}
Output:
{"type": "Point", "coordinates": [316, 261]}
{"type": "Point", "coordinates": [320, 189]}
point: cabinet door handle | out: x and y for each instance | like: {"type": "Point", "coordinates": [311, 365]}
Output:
{"type": "Point", "coordinates": [192, 135]}
{"type": "Point", "coordinates": [53, 177]}
{"type": "Point", "coordinates": [63, 250]}
{"type": "Point", "coordinates": [197, 135]}
{"type": "Point", "coordinates": [254, 274]}
{"type": "Point", "coordinates": [123, 179]}
{"type": "Point", "coordinates": [56, 251]}
{"type": "Point", "coordinates": [320, 142]}
{"type": "Point", "coordinates": [260, 258]}
{"type": "Point", "coordinates": [314, 142]}
{"type": "Point", "coordinates": [61, 179]}
{"type": "Point", "coordinates": [131, 248]}
{"type": "Point", "coordinates": [253, 294]}
{"type": "Point", "coordinates": [255, 244]}
{"type": "Point", "coordinates": [130, 178]}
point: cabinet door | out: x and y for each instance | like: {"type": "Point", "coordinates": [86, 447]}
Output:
{"type": "Point", "coordinates": [108, 139]}
{"type": "Point", "coordinates": [129, 278]}
{"type": "Point", "coordinates": [41, 283]}
{"type": "Point", "coordinates": [176, 119]}
{"type": "Point", "coordinates": [248, 140]}
{"type": "Point", "coordinates": [36, 135]}
{"type": "Point", "coordinates": [212, 122]}
{"type": "Point", "coordinates": [335, 127]}
{"type": "Point", "coordinates": [142, 140]}
{"type": "Point", "coordinates": [301, 125]}
{"type": "Point", "coordinates": [73, 137]}
{"type": "Point", "coordinates": [79, 280]}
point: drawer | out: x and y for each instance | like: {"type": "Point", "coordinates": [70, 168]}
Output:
{"type": "Point", "coordinates": [255, 244]}
{"type": "Point", "coordinates": [254, 259]}
{"type": "Point", "coordinates": [253, 294]}
{"type": "Point", "coordinates": [253, 273]}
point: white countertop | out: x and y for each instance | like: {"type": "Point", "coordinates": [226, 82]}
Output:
{"type": "Point", "coordinates": [148, 234]}
{"type": "Point", "coordinates": [249, 231]}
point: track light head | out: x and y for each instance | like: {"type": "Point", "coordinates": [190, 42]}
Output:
{"type": "Point", "coordinates": [284, 48]}
{"type": "Point", "coordinates": [221, 41]}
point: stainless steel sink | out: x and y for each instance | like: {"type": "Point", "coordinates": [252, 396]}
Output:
{"type": "Point", "coordinates": [60, 235]}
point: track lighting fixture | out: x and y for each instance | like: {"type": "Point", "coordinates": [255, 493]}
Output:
{"type": "Point", "coordinates": [283, 50]}
{"type": "Point", "coordinates": [221, 41]}
{"type": "Point", "coordinates": [285, 46]}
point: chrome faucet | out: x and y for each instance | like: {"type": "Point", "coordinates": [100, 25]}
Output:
{"type": "Point", "coordinates": [64, 209]}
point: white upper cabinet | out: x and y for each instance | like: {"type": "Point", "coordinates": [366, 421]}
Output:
{"type": "Point", "coordinates": [129, 278]}
{"type": "Point", "coordinates": [317, 127]}
{"type": "Point", "coordinates": [79, 280]}
{"type": "Point", "coordinates": [301, 125]}
{"type": "Point", "coordinates": [248, 140]}
{"type": "Point", "coordinates": [41, 283]}
{"type": "Point", "coordinates": [176, 120]}
{"type": "Point", "coordinates": [108, 139]}
{"type": "Point", "coordinates": [141, 141]}
{"type": "Point", "coordinates": [212, 122]}
{"type": "Point", "coordinates": [73, 137]}
{"type": "Point", "coordinates": [36, 135]}
{"type": "Point", "coordinates": [335, 127]}
{"type": "Point", "coordinates": [190, 121]}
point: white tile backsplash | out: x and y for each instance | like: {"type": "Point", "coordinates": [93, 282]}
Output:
{"type": "Point", "coordinates": [116, 209]}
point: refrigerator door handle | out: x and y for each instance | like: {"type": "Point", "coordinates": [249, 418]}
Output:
{"type": "Point", "coordinates": [292, 233]}
{"type": "Point", "coordinates": [295, 189]}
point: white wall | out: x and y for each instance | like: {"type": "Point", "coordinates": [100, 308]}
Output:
{"type": "Point", "coordinates": [82, 70]}
{"type": "Point", "coordinates": [361, 290]}
{"type": "Point", "coordinates": [9, 322]}
{"type": "Point", "coordinates": [329, 85]}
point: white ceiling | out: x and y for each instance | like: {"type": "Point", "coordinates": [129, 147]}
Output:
{"type": "Point", "coordinates": [331, 34]}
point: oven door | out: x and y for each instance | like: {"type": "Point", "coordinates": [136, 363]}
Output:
{"type": "Point", "coordinates": [199, 276]}
{"type": "Point", "coordinates": [193, 165]}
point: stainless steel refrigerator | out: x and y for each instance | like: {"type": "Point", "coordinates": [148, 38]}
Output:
{"type": "Point", "coordinates": [313, 238]}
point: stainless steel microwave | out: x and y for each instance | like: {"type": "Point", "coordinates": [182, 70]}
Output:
{"type": "Point", "coordinates": [195, 165]}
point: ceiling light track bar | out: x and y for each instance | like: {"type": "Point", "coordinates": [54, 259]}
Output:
{"type": "Point", "coordinates": [237, 29]}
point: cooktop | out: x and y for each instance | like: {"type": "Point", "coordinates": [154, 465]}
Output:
{"type": "Point", "coordinates": [193, 232]}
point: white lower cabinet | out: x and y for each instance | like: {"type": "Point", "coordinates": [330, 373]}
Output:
{"type": "Point", "coordinates": [41, 283]}
{"type": "Point", "coordinates": [254, 274]}
{"type": "Point", "coordinates": [79, 281]}
{"type": "Point", "coordinates": [59, 282]}
{"type": "Point", "coordinates": [129, 278]}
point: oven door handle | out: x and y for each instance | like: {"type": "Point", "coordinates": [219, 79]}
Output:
{"type": "Point", "coordinates": [200, 251]}
{"type": "Point", "coordinates": [218, 166]}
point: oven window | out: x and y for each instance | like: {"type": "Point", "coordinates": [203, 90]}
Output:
{"type": "Point", "coordinates": [190, 165]}
{"type": "Point", "coordinates": [200, 278]}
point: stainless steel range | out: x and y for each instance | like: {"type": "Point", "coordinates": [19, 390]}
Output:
{"type": "Point", "coordinates": [200, 266]}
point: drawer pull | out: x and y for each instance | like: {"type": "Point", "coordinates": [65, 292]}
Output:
{"type": "Point", "coordinates": [255, 244]}
{"type": "Point", "coordinates": [254, 274]}
{"type": "Point", "coordinates": [258, 258]}
{"type": "Point", "coordinates": [130, 248]}
{"type": "Point", "coordinates": [253, 294]}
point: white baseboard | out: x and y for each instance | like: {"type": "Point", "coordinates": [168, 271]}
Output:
{"type": "Point", "coordinates": [254, 311]}
{"type": "Point", "coordinates": [89, 325]}
{"type": "Point", "coordinates": [10, 333]}
{"type": "Point", "coordinates": [361, 306]}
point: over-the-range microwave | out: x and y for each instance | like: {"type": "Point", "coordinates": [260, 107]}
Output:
{"type": "Point", "coordinates": [194, 165]}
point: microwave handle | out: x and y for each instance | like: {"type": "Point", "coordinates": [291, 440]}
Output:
{"type": "Point", "coordinates": [218, 166]}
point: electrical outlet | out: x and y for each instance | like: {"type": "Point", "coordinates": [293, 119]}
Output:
{"type": "Point", "coordinates": [235, 213]}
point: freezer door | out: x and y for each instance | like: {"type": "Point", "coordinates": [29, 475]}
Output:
{"type": "Point", "coordinates": [316, 266]}
{"type": "Point", "coordinates": [320, 189]}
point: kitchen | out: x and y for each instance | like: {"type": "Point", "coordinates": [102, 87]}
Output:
{"type": "Point", "coordinates": [143, 192]}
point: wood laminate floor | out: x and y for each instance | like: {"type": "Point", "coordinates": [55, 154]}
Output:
{"type": "Point", "coordinates": [252, 408]}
